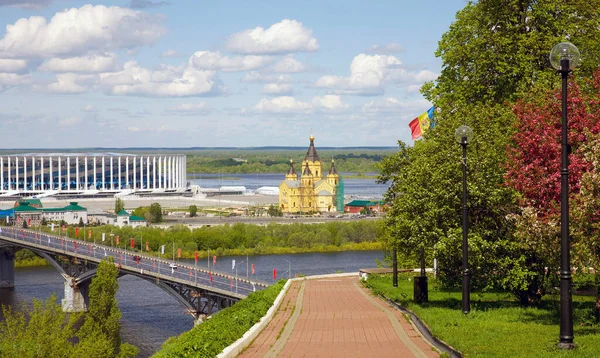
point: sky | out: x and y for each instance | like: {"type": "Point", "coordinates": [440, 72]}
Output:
{"type": "Point", "coordinates": [178, 73]}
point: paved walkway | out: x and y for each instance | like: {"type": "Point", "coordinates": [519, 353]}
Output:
{"type": "Point", "coordinates": [337, 317]}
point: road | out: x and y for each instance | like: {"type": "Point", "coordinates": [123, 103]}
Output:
{"type": "Point", "coordinates": [147, 265]}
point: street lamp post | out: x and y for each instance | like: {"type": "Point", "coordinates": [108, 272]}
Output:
{"type": "Point", "coordinates": [564, 57]}
{"type": "Point", "coordinates": [463, 136]}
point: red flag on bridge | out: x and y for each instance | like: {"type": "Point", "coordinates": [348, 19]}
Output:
{"type": "Point", "coordinates": [76, 232]}
{"type": "Point", "coordinates": [29, 222]}
{"type": "Point", "coordinates": [214, 260]}
{"type": "Point", "coordinates": [90, 246]}
{"type": "Point", "coordinates": [75, 245]}
{"type": "Point", "coordinates": [253, 269]}
{"type": "Point", "coordinates": [147, 246]}
{"type": "Point", "coordinates": [132, 243]}
{"type": "Point", "coordinates": [190, 273]}
{"type": "Point", "coordinates": [274, 274]}
{"type": "Point", "coordinates": [210, 276]}
{"type": "Point", "coordinates": [117, 239]}
{"type": "Point", "coordinates": [89, 234]}
{"type": "Point", "coordinates": [36, 237]}
{"type": "Point", "coordinates": [196, 256]}
{"type": "Point", "coordinates": [178, 253]}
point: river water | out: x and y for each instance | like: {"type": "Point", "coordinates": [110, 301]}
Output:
{"type": "Point", "coordinates": [150, 315]}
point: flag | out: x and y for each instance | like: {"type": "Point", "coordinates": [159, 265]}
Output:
{"type": "Point", "coordinates": [64, 228]}
{"type": "Point", "coordinates": [29, 222]}
{"type": "Point", "coordinates": [232, 265]}
{"type": "Point", "coordinates": [162, 249]}
{"type": "Point", "coordinates": [253, 269]}
{"type": "Point", "coordinates": [210, 276]}
{"type": "Point", "coordinates": [132, 243]}
{"type": "Point", "coordinates": [253, 287]}
{"type": "Point", "coordinates": [117, 239]}
{"type": "Point", "coordinates": [76, 232]}
{"type": "Point", "coordinates": [75, 245]}
{"type": "Point", "coordinates": [191, 273]}
{"type": "Point", "coordinates": [196, 256]}
{"type": "Point", "coordinates": [214, 260]}
{"type": "Point", "coordinates": [422, 123]}
{"type": "Point", "coordinates": [8, 221]}
{"type": "Point", "coordinates": [52, 227]}
{"type": "Point", "coordinates": [172, 270]}
{"type": "Point", "coordinates": [89, 234]}
{"type": "Point", "coordinates": [147, 246]}
{"type": "Point", "coordinates": [274, 274]}
{"type": "Point", "coordinates": [90, 246]}
{"type": "Point", "coordinates": [179, 253]}
{"type": "Point", "coordinates": [103, 237]}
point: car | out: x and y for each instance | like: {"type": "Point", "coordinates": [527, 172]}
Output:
{"type": "Point", "coordinates": [173, 266]}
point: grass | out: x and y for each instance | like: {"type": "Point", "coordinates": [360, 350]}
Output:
{"type": "Point", "coordinates": [497, 325]}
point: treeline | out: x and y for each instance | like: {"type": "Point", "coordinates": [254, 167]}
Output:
{"type": "Point", "coordinates": [253, 239]}
{"type": "Point", "coordinates": [277, 161]}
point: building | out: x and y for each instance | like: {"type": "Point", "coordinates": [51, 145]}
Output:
{"type": "Point", "coordinates": [356, 206]}
{"type": "Point", "coordinates": [312, 191]}
{"type": "Point", "coordinates": [122, 218]}
{"type": "Point", "coordinates": [46, 174]}
{"type": "Point", "coordinates": [72, 214]}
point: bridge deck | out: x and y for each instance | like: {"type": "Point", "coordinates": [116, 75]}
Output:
{"type": "Point", "coordinates": [216, 282]}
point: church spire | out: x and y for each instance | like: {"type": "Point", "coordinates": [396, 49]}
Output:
{"type": "Point", "coordinates": [311, 154]}
{"type": "Point", "coordinates": [291, 171]}
{"type": "Point", "coordinates": [306, 170]}
{"type": "Point", "coordinates": [332, 171]}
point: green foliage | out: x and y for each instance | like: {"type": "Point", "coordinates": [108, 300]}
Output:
{"type": "Point", "coordinates": [81, 224]}
{"type": "Point", "coordinates": [25, 226]}
{"type": "Point", "coordinates": [274, 210]}
{"type": "Point", "coordinates": [193, 210]}
{"type": "Point", "coordinates": [43, 331]}
{"type": "Point", "coordinates": [44, 221]}
{"type": "Point", "coordinates": [498, 326]}
{"type": "Point", "coordinates": [101, 331]}
{"type": "Point", "coordinates": [212, 336]}
{"type": "Point", "coordinates": [155, 213]}
{"type": "Point", "coordinates": [119, 205]}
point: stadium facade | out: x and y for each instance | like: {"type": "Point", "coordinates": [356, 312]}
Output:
{"type": "Point", "coordinates": [48, 173]}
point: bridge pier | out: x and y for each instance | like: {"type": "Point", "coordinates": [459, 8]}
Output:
{"type": "Point", "coordinates": [7, 267]}
{"type": "Point", "coordinates": [76, 296]}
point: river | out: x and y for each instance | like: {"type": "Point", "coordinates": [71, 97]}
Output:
{"type": "Point", "coordinates": [150, 315]}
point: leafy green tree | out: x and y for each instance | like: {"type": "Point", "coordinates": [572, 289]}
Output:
{"type": "Point", "coordinates": [44, 221]}
{"type": "Point", "coordinates": [25, 226]}
{"type": "Point", "coordinates": [101, 331]}
{"type": "Point", "coordinates": [193, 210]}
{"type": "Point", "coordinates": [119, 205]}
{"type": "Point", "coordinates": [81, 224]}
{"type": "Point", "coordinates": [274, 210]}
{"type": "Point", "coordinates": [155, 213]}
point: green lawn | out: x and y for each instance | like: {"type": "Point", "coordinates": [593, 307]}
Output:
{"type": "Point", "coordinates": [497, 326]}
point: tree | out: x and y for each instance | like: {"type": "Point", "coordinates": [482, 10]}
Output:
{"type": "Point", "coordinates": [81, 224]}
{"type": "Point", "coordinates": [25, 226]}
{"type": "Point", "coordinates": [155, 213]}
{"type": "Point", "coordinates": [119, 205]}
{"type": "Point", "coordinates": [101, 330]}
{"type": "Point", "coordinates": [44, 221]}
{"type": "Point", "coordinates": [193, 210]}
{"type": "Point", "coordinates": [492, 55]}
{"type": "Point", "coordinates": [274, 210]}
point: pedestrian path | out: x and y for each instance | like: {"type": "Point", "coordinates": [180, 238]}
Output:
{"type": "Point", "coordinates": [337, 317]}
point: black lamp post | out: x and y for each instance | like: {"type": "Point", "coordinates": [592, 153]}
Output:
{"type": "Point", "coordinates": [463, 136]}
{"type": "Point", "coordinates": [564, 57]}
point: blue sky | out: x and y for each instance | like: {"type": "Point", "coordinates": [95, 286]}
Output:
{"type": "Point", "coordinates": [143, 73]}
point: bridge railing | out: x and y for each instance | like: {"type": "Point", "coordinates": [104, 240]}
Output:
{"type": "Point", "coordinates": [152, 266]}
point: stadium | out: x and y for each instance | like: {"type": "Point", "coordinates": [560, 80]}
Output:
{"type": "Point", "coordinates": [91, 174]}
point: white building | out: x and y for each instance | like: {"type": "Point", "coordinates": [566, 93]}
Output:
{"type": "Point", "coordinates": [47, 174]}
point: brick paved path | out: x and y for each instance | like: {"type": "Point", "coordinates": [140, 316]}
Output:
{"type": "Point", "coordinates": [337, 317]}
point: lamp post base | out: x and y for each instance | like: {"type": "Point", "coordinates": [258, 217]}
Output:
{"type": "Point", "coordinates": [566, 346]}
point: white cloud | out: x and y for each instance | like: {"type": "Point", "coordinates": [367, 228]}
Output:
{"type": "Point", "coordinates": [257, 77]}
{"type": "Point", "coordinates": [83, 64]}
{"type": "Point", "coordinates": [8, 80]}
{"type": "Point", "coordinates": [9, 65]}
{"type": "Point", "coordinates": [276, 89]}
{"type": "Point", "coordinates": [289, 64]}
{"type": "Point", "coordinates": [89, 108]}
{"type": "Point", "coordinates": [166, 82]}
{"type": "Point", "coordinates": [207, 60]}
{"type": "Point", "coordinates": [169, 53]}
{"type": "Point", "coordinates": [69, 121]}
{"type": "Point", "coordinates": [282, 105]}
{"type": "Point", "coordinates": [393, 106]}
{"type": "Point", "coordinates": [391, 47]}
{"type": "Point", "coordinates": [192, 109]}
{"type": "Point", "coordinates": [329, 104]}
{"type": "Point", "coordinates": [77, 31]}
{"type": "Point", "coordinates": [370, 73]}
{"type": "Point", "coordinates": [286, 36]}
{"type": "Point", "coordinates": [26, 4]}
{"type": "Point", "coordinates": [71, 83]}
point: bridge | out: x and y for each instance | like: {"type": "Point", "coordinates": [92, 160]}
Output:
{"type": "Point", "coordinates": [200, 290]}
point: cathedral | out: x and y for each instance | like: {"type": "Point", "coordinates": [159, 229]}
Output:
{"type": "Point", "coordinates": [312, 192]}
